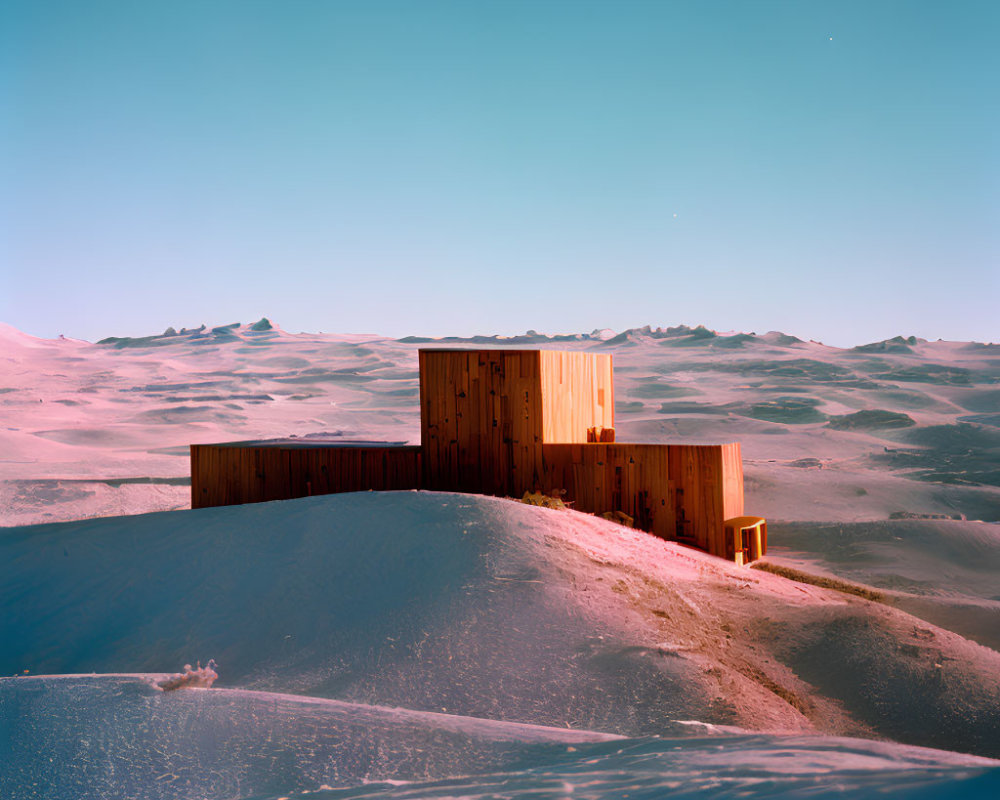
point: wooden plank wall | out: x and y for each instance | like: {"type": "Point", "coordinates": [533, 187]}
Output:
{"type": "Point", "coordinates": [674, 491]}
{"type": "Point", "coordinates": [480, 414]}
{"type": "Point", "coordinates": [233, 474]}
{"type": "Point", "coordinates": [732, 476]}
{"type": "Point", "coordinates": [612, 477]}
{"type": "Point", "coordinates": [577, 394]}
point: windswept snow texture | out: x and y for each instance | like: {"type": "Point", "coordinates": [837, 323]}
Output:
{"type": "Point", "coordinates": [114, 736]}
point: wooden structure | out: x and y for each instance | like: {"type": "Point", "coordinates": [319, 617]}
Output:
{"type": "Point", "coordinates": [255, 472]}
{"type": "Point", "coordinates": [503, 422]}
{"type": "Point", "coordinates": [746, 539]}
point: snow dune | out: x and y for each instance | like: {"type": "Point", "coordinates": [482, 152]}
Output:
{"type": "Point", "coordinates": [456, 605]}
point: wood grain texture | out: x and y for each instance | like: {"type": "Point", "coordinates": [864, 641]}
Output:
{"type": "Point", "coordinates": [673, 491]}
{"type": "Point", "coordinates": [577, 394]}
{"type": "Point", "coordinates": [253, 473]}
{"type": "Point", "coordinates": [732, 487]}
{"type": "Point", "coordinates": [480, 415]}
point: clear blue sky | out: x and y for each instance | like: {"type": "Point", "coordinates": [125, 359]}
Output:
{"type": "Point", "coordinates": [830, 169]}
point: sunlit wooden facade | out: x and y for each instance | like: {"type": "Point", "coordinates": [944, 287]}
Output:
{"type": "Point", "coordinates": [503, 422]}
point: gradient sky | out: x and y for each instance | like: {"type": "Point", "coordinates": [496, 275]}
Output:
{"type": "Point", "coordinates": [829, 169]}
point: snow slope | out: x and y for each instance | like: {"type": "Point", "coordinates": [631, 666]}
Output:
{"type": "Point", "coordinates": [484, 608]}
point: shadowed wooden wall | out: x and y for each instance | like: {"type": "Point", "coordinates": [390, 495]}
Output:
{"type": "Point", "coordinates": [679, 492]}
{"type": "Point", "coordinates": [254, 472]}
{"type": "Point", "coordinates": [480, 412]}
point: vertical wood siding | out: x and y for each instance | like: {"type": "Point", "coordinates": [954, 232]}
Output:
{"type": "Point", "coordinates": [577, 394]}
{"type": "Point", "coordinates": [233, 474]}
{"type": "Point", "coordinates": [674, 491]}
{"type": "Point", "coordinates": [480, 417]}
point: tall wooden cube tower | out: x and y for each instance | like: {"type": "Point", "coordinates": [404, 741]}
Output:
{"type": "Point", "coordinates": [485, 413]}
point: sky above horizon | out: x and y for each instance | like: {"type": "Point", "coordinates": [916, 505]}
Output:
{"type": "Point", "coordinates": [828, 169]}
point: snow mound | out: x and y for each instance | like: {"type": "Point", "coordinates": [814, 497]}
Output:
{"type": "Point", "coordinates": [485, 608]}
{"type": "Point", "coordinates": [124, 739]}
{"type": "Point", "coordinates": [420, 600]}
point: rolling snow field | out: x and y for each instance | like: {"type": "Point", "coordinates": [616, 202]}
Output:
{"type": "Point", "coordinates": [422, 644]}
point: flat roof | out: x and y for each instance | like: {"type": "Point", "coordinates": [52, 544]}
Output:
{"type": "Point", "coordinates": [500, 349]}
{"type": "Point", "coordinates": [296, 443]}
{"type": "Point", "coordinates": [510, 349]}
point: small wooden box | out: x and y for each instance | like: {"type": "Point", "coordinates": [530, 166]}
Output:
{"type": "Point", "coordinates": [746, 538]}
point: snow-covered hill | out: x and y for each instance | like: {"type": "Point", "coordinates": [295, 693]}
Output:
{"type": "Point", "coordinates": [485, 608]}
